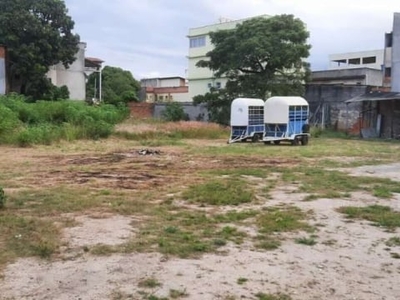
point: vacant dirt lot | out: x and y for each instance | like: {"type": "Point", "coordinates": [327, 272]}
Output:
{"type": "Point", "coordinates": [349, 259]}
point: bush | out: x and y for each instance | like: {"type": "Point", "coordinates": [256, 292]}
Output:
{"type": "Point", "coordinates": [174, 112]}
{"type": "Point", "coordinates": [2, 198]}
{"type": "Point", "coordinates": [43, 122]}
{"type": "Point", "coordinates": [9, 123]}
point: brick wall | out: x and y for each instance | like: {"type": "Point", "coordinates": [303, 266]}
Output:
{"type": "Point", "coordinates": [141, 110]}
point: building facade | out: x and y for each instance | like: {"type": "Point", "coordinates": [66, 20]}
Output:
{"type": "Point", "coordinates": [73, 77]}
{"type": "Point", "coordinates": [392, 56]}
{"type": "Point", "coordinates": [166, 89]}
{"type": "Point", "coordinates": [201, 80]}
{"type": "Point", "coordinates": [373, 59]}
{"type": "Point", "coordinates": [352, 76]}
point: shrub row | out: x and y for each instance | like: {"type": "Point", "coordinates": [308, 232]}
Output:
{"type": "Point", "coordinates": [43, 122]}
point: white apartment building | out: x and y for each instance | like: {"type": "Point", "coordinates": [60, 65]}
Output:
{"type": "Point", "coordinates": [73, 77]}
{"type": "Point", "coordinates": [373, 59]}
{"type": "Point", "coordinates": [202, 79]}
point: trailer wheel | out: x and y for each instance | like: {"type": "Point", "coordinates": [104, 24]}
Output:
{"type": "Point", "coordinates": [277, 142]}
{"type": "Point", "coordinates": [255, 138]}
{"type": "Point", "coordinates": [295, 141]}
{"type": "Point", "coordinates": [304, 140]}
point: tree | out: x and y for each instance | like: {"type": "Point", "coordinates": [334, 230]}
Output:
{"type": "Point", "coordinates": [260, 57]}
{"type": "Point", "coordinates": [174, 112]}
{"type": "Point", "coordinates": [37, 34]}
{"type": "Point", "coordinates": [118, 85]}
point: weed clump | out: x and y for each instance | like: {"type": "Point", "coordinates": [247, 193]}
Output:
{"type": "Point", "coordinates": [2, 198]}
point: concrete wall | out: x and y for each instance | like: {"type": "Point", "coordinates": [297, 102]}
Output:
{"type": "Point", "coordinates": [334, 59]}
{"type": "Point", "coordinates": [362, 76]}
{"type": "Point", "coordinates": [170, 82]}
{"type": "Point", "coordinates": [73, 77]}
{"type": "Point", "coordinates": [327, 105]}
{"type": "Point", "coordinates": [195, 113]}
{"type": "Point", "coordinates": [201, 86]}
{"type": "Point", "coordinates": [396, 53]}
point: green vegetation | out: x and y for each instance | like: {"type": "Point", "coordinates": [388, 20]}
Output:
{"type": "Point", "coordinates": [220, 192]}
{"type": "Point", "coordinates": [393, 241]}
{"type": "Point", "coordinates": [170, 133]}
{"type": "Point", "coordinates": [149, 283]}
{"type": "Point", "coordinates": [174, 112]}
{"type": "Point", "coordinates": [37, 35]}
{"type": "Point", "coordinates": [306, 241]}
{"type": "Point", "coordinates": [256, 57]}
{"type": "Point", "coordinates": [177, 294]}
{"type": "Point", "coordinates": [118, 86]}
{"type": "Point", "coordinates": [27, 124]}
{"type": "Point", "coordinates": [27, 236]}
{"type": "Point", "coordinates": [262, 296]}
{"type": "Point", "coordinates": [241, 280]}
{"type": "Point", "coordinates": [3, 198]}
{"type": "Point", "coordinates": [321, 183]}
{"type": "Point", "coordinates": [377, 214]}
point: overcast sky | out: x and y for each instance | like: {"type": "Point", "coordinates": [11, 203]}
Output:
{"type": "Point", "coordinates": [148, 37]}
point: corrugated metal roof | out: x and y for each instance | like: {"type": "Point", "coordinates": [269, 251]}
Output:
{"type": "Point", "coordinates": [375, 96]}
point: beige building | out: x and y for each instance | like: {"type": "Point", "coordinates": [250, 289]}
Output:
{"type": "Point", "coordinates": [165, 89]}
{"type": "Point", "coordinates": [373, 59]}
{"type": "Point", "coordinates": [74, 77]}
{"type": "Point", "coordinates": [202, 79]}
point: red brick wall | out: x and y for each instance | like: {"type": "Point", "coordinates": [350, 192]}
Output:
{"type": "Point", "coordinates": [141, 110]}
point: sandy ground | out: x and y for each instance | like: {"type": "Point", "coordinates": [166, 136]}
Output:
{"type": "Point", "coordinates": [349, 262]}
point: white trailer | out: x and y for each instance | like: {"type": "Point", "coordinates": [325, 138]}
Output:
{"type": "Point", "coordinates": [286, 119]}
{"type": "Point", "coordinates": [247, 119]}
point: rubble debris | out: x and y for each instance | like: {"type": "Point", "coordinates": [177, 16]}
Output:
{"type": "Point", "coordinates": [149, 152]}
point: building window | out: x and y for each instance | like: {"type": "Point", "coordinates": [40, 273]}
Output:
{"type": "Point", "coordinates": [369, 60]}
{"type": "Point", "coordinates": [389, 40]}
{"type": "Point", "coordinates": [197, 42]}
{"type": "Point", "coordinates": [354, 61]}
{"type": "Point", "coordinates": [161, 98]}
{"type": "Point", "coordinates": [218, 85]}
{"type": "Point", "coordinates": [388, 72]}
{"type": "Point", "coordinates": [209, 85]}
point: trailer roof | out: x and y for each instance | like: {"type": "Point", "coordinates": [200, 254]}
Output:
{"type": "Point", "coordinates": [290, 100]}
{"type": "Point", "coordinates": [245, 102]}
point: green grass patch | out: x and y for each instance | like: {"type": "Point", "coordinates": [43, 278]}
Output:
{"type": "Point", "coordinates": [306, 241]}
{"type": "Point", "coordinates": [377, 214]}
{"type": "Point", "coordinates": [220, 192]}
{"type": "Point", "coordinates": [177, 294]}
{"type": "Point", "coordinates": [185, 234]}
{"type": "Point", "coordinates": [282, 219]}
{"type": "Point", "coordinates": [241, 280]}
{"type": "Point", "coordinates": [262, 296]}
{"type": "Point", "coordinates": [320, 183]}
{"type": "Point", "coordinates": [393, 241]}
{"type": "Point", "coordinates": [26, 237]}
{"type": "Point", "coordinates": [102, 250]}
{"type": "Point", "coordinates": [149, 283]}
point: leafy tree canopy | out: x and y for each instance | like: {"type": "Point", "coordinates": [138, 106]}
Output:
{"type": "Point", "coordinates": [260, 57]}
{"type": "Point", "coordinates": [118, 85]}
{"type": "Point", "coordinates": [38, 34]}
